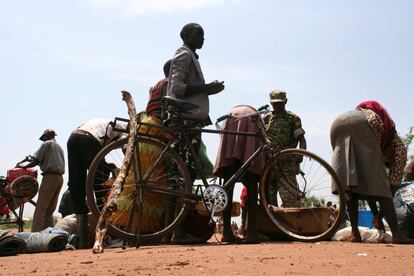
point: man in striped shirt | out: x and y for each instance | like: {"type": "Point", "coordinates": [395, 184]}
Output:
{"type": "Point", "coordinates": [157, 92]}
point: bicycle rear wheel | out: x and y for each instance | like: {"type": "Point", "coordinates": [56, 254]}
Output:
{"type": "Point", "coordinates": [157, 170]}
{"type": "Point", "coordinates": [295, 189]}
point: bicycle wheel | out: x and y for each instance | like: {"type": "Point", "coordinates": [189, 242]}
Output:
{"type": "Point", "coordinates": [295, 189]}
{"type": "Point", "coordinates": [159, 170]}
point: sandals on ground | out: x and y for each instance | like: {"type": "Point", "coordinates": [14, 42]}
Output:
{"type": "Point", "coordinates": [233, 239]}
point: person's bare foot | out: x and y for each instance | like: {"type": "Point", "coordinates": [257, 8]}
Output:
{"type": "Point", "coordinates": [355, 238]}
{"type": "Point", "coordinates": [378, 224]}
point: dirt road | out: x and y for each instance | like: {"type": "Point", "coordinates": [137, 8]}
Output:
{"type": "Point", "coordinates": [273, 258]}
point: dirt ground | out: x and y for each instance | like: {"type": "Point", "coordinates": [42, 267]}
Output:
{"type": "Point", "coordinates": [271, 258]}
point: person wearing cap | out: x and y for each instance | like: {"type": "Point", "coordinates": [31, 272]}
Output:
{"type": "Point", "coordinates": [51, 160]}
{"type": "Point", "coordinates": [285, 131]}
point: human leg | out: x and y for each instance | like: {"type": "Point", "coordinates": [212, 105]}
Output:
{"type": "Point", "coordinates": [42, 204]}
{"type": "Point", "coordinates": [227, 230]}
{"type": "Point", "coordinates": [243, 219]}
{"type": "Point", "coordinates": [352, 205]}
{"type": "Point", "coordinates": [272, 190]}
{"type": "Point", "coordinates": [228, 235]}
{"type": "Point", "coordinates": [180, 234]}
{"type": "Point", "coordinates": [81, 151]}
{"type": "Point", "coordinates": [287, 190]}
{"type": "Point", "coordinates": [387, 207]}
{"type": "Point", "coordinates": [377, 214]}
{"type": "Point", "coordinates": [252, 236]}
{"type": "Point", "coordinates": [77, 173]}
{"type": "Point", "coordinates": [55, 187]}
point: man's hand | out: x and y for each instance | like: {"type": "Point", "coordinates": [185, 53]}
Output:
{"type": "Point", "coordinates": [299, 159]}
{"type": "Point", "coordinates": [215, 87]}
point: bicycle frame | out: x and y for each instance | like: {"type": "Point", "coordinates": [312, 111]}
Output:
{"type": "Point", "coordinates": [185, 142]}
{"type": "Point", "coordinates": [172, 142]}
{"type": "Point", "coordinates": [182, 129]}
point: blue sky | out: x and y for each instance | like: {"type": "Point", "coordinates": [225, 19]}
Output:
{"type": "Point", "coordinates": [65, 62]}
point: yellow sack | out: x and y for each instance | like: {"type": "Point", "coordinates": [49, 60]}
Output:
{"type": "Point", "coordinates": [153, 205]}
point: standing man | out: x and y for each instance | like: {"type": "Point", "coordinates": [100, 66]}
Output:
{"type": "Point", "coordinates": [83, 145]}
{"type": "Point", "coordinates": [186, 82]}
{"type": "Point", "coordinates": [186, 78]}
{"type": "Point", "coordinates": [51, 160]}
{"type": "Point", "coordinates": [284, 128]}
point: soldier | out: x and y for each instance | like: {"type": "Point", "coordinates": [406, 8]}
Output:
{"type": "Point", "coordinates": [285, 131]}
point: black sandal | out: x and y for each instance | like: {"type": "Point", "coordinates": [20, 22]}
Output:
{"type": "Point", "coordinates": [229, 240]}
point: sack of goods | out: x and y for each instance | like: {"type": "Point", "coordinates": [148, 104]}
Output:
{"type": "Point", "coordinates": [14, 173]}
{"type": "Point", "coordinates": [404, 207]}
{"type": "Point", "coordinates": [21, 186]}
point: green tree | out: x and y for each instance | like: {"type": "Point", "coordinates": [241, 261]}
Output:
{"type": "Point", "coordinates": [408, 140]}
{"type": "Point", "coordinates": [312, 201]}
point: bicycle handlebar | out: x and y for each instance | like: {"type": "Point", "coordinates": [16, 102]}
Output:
{"type": "Point", "coordinates": [222, 118]}
{"type": "Point", "coordinates": [262, 109]}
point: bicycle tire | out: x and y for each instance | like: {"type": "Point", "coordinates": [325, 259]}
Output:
{"type": "Point", "coordinates": [169, 173]}
{"type": "Point", "coordinates": [304, 215]}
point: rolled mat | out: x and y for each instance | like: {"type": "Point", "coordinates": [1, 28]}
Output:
{"type": "Point", "coordinates": [10, 244]}
{"type": "Point", "coordinates": [43, 242]}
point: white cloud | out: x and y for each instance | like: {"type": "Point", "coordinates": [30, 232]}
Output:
{"type": "Point", "coordinates": [142, 7]}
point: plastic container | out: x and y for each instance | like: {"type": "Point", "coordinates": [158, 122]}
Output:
{"type": "Point", "coordinates": [365, 219]}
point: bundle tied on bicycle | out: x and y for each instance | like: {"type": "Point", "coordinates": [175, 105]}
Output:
{"type": "Point", "coordinates": [141, 200]}
{"type": "Point", "coordinates": [19, 187]}
{"type": "Point", "coordinates": [154, 205]}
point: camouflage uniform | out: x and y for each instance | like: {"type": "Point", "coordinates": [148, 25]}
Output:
{"type": "Point", "coordinates": [284, 131]}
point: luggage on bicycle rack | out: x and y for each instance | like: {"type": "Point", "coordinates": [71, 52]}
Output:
{"type": "Point", "coordinates": [299, 220]}
{"type": "Point", "coordinates": [19, 187]}
{"type": "Point", "coordinates": [14, 173]}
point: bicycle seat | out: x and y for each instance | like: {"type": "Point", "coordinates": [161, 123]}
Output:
{"type": "Point", "coordinates": [179, 106]}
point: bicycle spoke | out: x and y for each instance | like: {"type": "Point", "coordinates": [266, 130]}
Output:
{"type": "Point", "coordinates": [304, 194]}
{"type": "Point", "coordinates": [156, 182]}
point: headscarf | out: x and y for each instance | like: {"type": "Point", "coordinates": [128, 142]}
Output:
{"type": "Point", "coordinates": [389, 125]}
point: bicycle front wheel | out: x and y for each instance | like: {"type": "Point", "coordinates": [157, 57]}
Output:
{"type": "Point", "coordinates": [157, 173]}
{"type": "Point", "coordinates": [299, 192]}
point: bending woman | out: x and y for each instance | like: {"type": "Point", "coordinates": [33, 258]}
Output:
{"type": "Point", "coordinates": [369, 158]}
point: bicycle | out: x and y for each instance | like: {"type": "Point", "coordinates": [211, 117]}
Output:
{"type": "Point", "coordinates": [18, 188]}
{"type": "Point", "coordinates": [157, 190]}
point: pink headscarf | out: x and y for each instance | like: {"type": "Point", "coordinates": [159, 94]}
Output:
{"type": "Point", "coordinates": [389, 125]}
